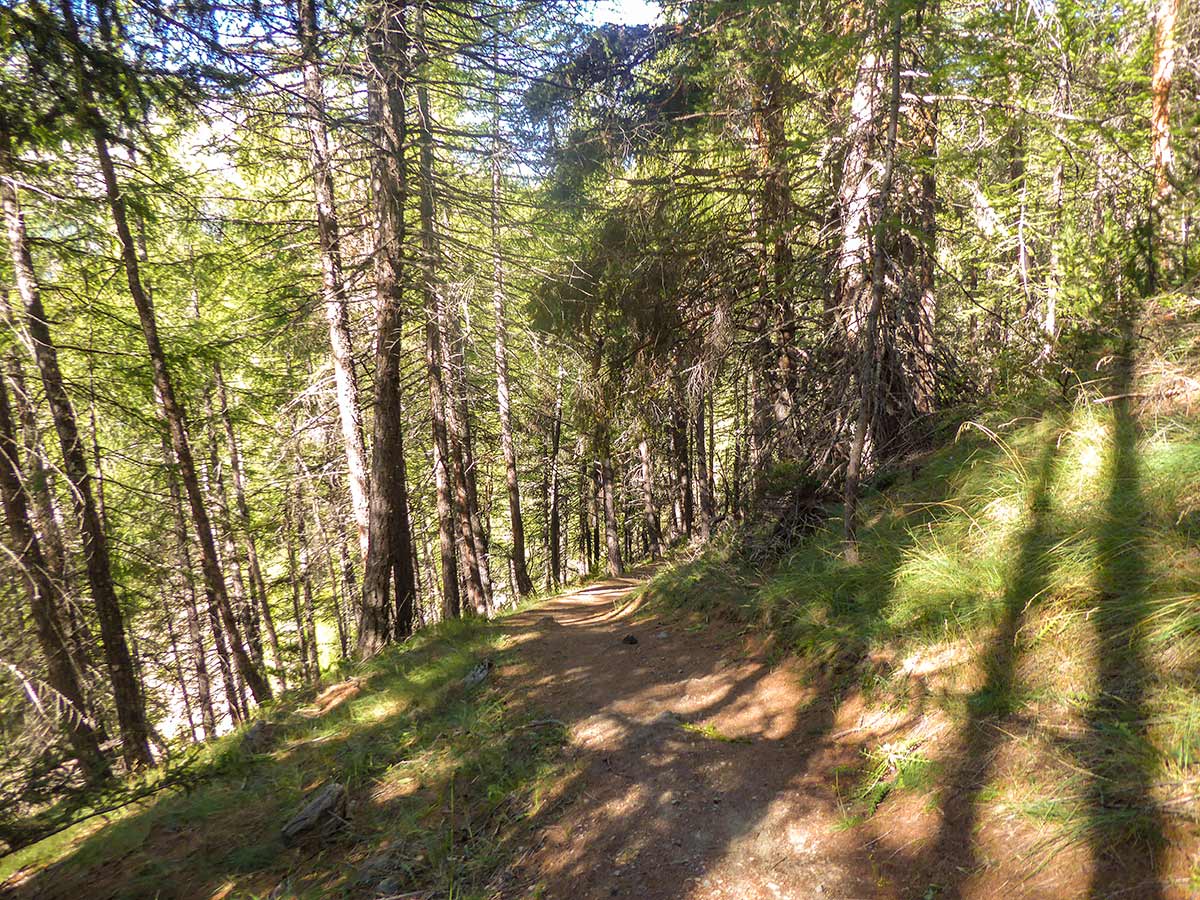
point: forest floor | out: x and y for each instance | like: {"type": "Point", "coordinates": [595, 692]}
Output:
{"type": "Point", "coordinates": [620, 748]}
{"type": "Point", "coordinates": [705, 766]}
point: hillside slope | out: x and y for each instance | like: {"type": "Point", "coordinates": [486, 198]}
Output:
{"type": "Point", "coordinates": [999, 699]}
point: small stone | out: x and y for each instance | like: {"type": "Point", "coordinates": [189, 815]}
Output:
{"type": "Point", "coordinates": [663, 635]}
{"type": "Point", "coordinates": [388, 886]}
{"type": "Point", "coordinates": [629, 639]}
{"type": "Point", "coordinates": [258, 737]}
{"type": "Point", "coordinates": [322, 814]}
{"type": "Point", "coordinates": [477, 675]}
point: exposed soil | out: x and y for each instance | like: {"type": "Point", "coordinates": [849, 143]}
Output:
{"type": "Point", "coordinates": [743, 802]}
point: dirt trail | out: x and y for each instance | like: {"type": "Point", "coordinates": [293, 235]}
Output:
{"type": "Point", "coordinates": [738, 804]}
{"type": "Point", "coordinates": [701, 770]}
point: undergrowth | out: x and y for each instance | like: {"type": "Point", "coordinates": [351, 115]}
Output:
{"type": "Point", "coordinates": [1041, 569]}
{"type": "Point", "coordinates": [441, 780]}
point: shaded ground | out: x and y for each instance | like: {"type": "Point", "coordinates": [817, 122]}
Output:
{"type": "Point", "coordinates": [700, 769]}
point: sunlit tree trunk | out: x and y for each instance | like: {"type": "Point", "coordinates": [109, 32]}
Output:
{"type": "Point", "coordinates": [195, 632]}
{"type": "Point", "coordinates": [865, 339]}
{"type": "Point", "coordinates": [332, 283]}
{"type": "Point", "coordinates": [231, 563]}
{"type": "Point", "coordinates": [511, 480]}
{"type": "Point", "coordinates": [294, 578]}
{"type": "Point", "coordinates": [554, 502]}
{"type": "Point", "coordinates": [473, 546]}
{"type": "Point", "coordinates": [1162, 73]}
{"type": "Point", "coordinates": [430, 289]}
{"type": "Point", "coordinates": [257, 583]}
{"type": "Point", "coordinates": [92, 121]}
{"type": "Point", "coordinates": [177, 660]}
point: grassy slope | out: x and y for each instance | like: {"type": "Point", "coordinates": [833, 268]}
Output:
{"type": "Point", "coordinates": [1025, 615]}
{"type": "Point", "coordinates": [1036, 578]}
{"type": "Point", "coordinates": [441, 780]}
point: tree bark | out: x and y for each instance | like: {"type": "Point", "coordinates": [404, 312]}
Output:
{"type": "Point", "coordinates": [91, 121]}
{"type": "Point", "coordinates": [332, 283]}
{"type": "Point", "coordinates": [176, 421]}
{"type": "Point", "coordinates": [649, 504]}
{"type": "Point", "coordinates": [616, 563]}
{"type": "Point", "coordinates": [309, 622]}
{"type": "Point", "coordinates": [554, 526]}
{"type": "Point", "coordinates": [458, 425]}
{"type": "Point", "coordinates": [431, 288]}
{"type": "Point", "coordinates": [208, 717]}
{"type": "Point", "coordinates": [389, 563]}
{"type": "Point", "coordinates": [294, 582]}
{"type": "Point", "coordinates": [131, 711]}
{"type": "Point", "coordinates": [1162, 73]}
{"type": "Point", "coordinates": [867, 369]}
{"type": "Point", "coordinates": [231, 563]}
{"type": "Point", "coordinates": [708, 512]}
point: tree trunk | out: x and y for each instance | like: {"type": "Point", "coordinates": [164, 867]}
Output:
{"type": "Point", "coordinates": [924, 310]}
{"type": "Point", "coordinates": [332, 283]}
{"type": "Point", "coordinates": [777, 326]}
{"type": "Point", "coordinates": [131, 711]}
{"type": "Point", "coordinates": [458, 421]}
{"type": "Point", "coordinates": [195, 633]}
{"type": "Point", "coordinates": [44, 601]}
{"type": "Point", "coordinates": [649, 505]}
{"type": "Point", "coordinates": [431, 288]}
{"type": "Point", "coordinates": [389, 556]}
{"type": "Point", "coordinates": [177, 659]}
{"type": "Point", "coordinates": [294, 583]}
{"type": "Point", "coordinates": [309, 622]}
{"type": "Point", "coordinates": [520, 569]}
{"type": "Point", "coordinates": [616, 564]}
{"type": "Point", "coordinates": [177, 423]}
{"type": "Point", "coordinates": [257, 583]}
{"type": "Point", "coordinates": [708, 511]}
{"type": "Point", "coordinates": [554, 526]}
{"type": "Point", "coordinates": [1162, 73]}
{"type": "Point", "coordinates": [867, 369]}
{"type": "Point", "coordinates": [230, 559]}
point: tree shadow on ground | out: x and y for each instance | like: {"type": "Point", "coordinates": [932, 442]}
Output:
{"type": "Point", "coordinates": [1123, 820]}
{"type": "Point", "coordinates": [952, 857]}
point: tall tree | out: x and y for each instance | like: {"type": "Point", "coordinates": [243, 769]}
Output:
{"type": "Point", "coordinates": [131, 710]}
{"type": "Point", "coordinates": [387, 615]}
{"type": "Point", "coordinates": [503, 396]}
{"type": "Point", "coordinates": [92, 122]}
{"type": "Point", "coordinates": [45, 600]}
{"type": "Point", "coordinates": [333, 285]}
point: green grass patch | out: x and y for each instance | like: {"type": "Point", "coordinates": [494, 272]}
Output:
{"type": "Point", "coordinates": [442, 780]}
{"type": "Point", "coordinates": [710, 732]}
{"type": "Point", "coordinates": [1041, 568]}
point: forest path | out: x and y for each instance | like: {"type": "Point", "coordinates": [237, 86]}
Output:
{"type": "Point", "coordinates": [697, 768]}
